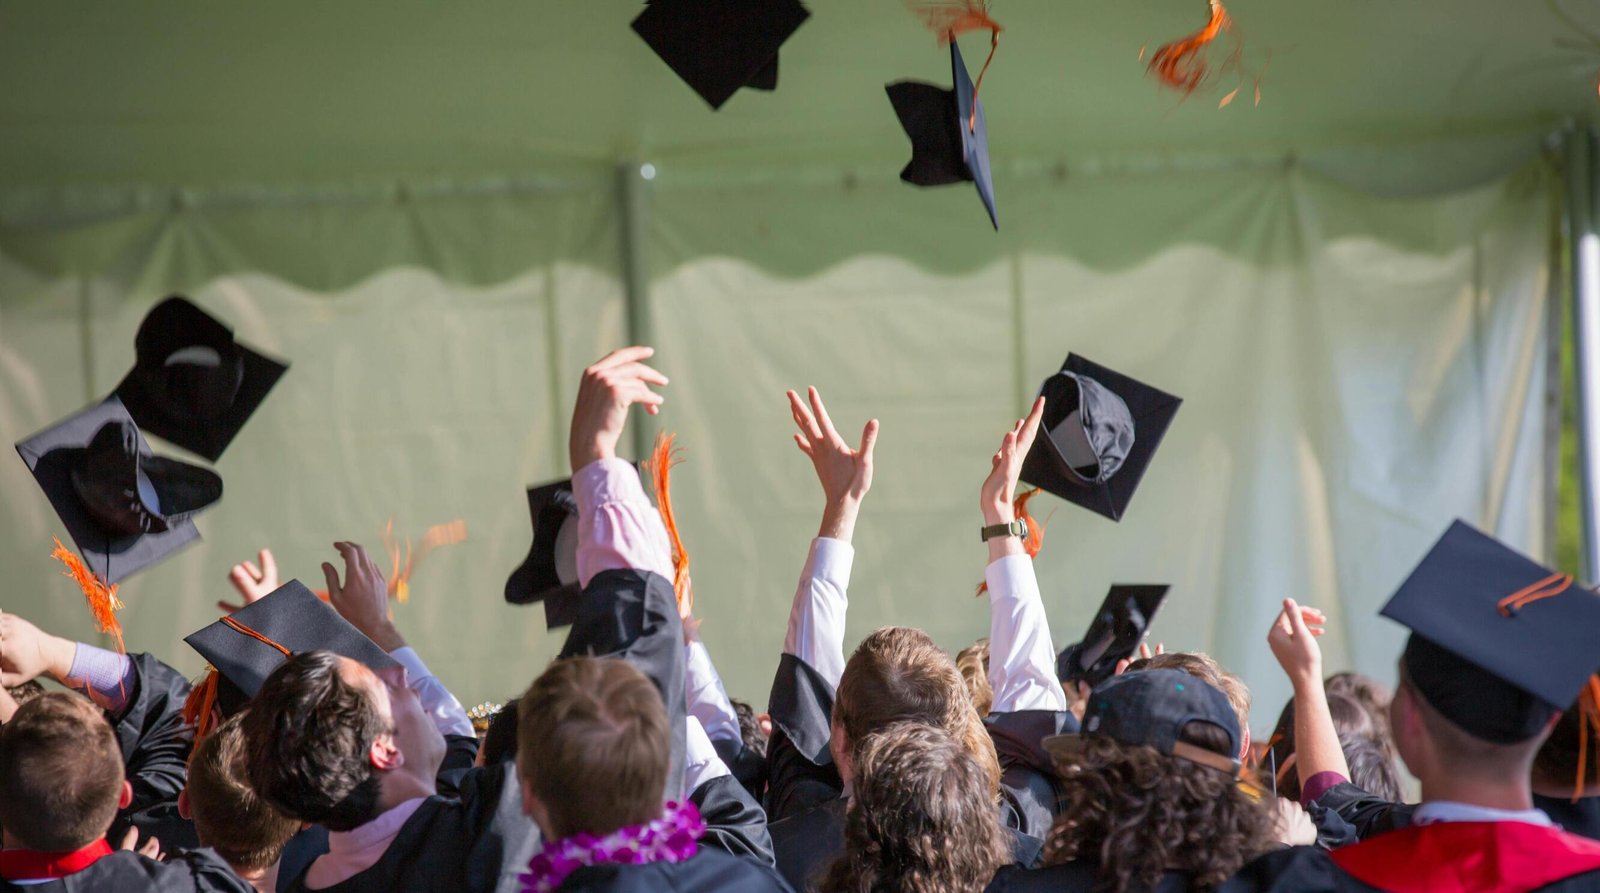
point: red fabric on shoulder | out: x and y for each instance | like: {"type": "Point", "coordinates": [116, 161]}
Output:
{"type": "Point", "coordinates": [1468, 857]}
{"type": "Point", "coordinates": [33, 865]}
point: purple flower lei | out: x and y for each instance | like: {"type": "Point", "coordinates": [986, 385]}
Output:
{"type": "Point", "coordinates": [670, 838]}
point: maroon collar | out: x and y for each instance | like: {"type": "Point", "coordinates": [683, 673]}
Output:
{"type": "Point", "coordinates": [34, 865]}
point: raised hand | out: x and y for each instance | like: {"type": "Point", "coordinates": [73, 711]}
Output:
{"type": "Point", "coordinates": [844, 473]}
{"type": "Point", "coordinates": [1006, 467]}
{"type": "Point", "coordinates": [615, 382]}
{"type": "Point", "coordinates": [150, 849]}
{"type": "Point", "coordinates": [252, 582]}
{"type": "Point", "coordinates": [27, 652]}
{"type": "Point", "coordinates": [363, 597]}
{"type": "Point", "coordinates": [1293, 639]}
{"type": "Point", "coordinates": [1144, 654]}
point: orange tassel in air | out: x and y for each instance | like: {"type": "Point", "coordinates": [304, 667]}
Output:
{"type": "Point", "coordinates": [102, 597]}
{"type": "Point", "coordinates": [201, 704]}
{"type": "Point", "coordinates": [404, 564]}
{"type": "Point", "coordinates": [662, 458]}
{"type": "Point", "coordinates": [952, 18]}
{"type": "Point", "coordinates": [1179, 64]}
{"type": "Point", "coordinates": [1034, 541]}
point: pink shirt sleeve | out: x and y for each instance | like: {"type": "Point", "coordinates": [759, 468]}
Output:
{"type": "Point", "coordinates": [618, 527]}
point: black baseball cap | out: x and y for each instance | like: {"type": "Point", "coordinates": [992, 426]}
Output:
{"type": "Point", "coordinates": [1099, 432]}
{"type": "Point", "coordinates": [949, 133]}
{"type": "Point", "coordinates": [1499, 643]}
{"type": "Point", "coordinates": [192, 384]}
{"type": "Point", "coordinates": [718, 46]}
{"type": "Point", "coordinates": [1115, 633]}
{"type": "Point", "coordinates": [1150, 708]}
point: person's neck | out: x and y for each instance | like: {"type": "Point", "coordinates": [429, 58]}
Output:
{"type": "Point", "coordinates": [400, 787]}
{"type": "Point", "coordinates": [1511, 794]}
{"type": "Point", "coordinates": [264, 880]}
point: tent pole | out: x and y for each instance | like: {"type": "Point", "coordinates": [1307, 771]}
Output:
{"type": "Point", "coordinates": [1584, 241]}
{"type": "Point", "coordinates": [632, 233]}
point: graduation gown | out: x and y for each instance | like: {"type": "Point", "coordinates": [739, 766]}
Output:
{"type": "Point", "coordinates": [806, 844]}
{"type": "Point", "coordinates": [1370, 815]}
{"type": "Point", "coordinates": [155, 744]}
{"type": "Point", "coordinates": [200, 871]}
{"type": "Point", "coordinates": [708, 871]}
{"type": "Point", "coordinates": [1030, 796]}
{"type": "Point", "coordinates": [1083, 876]}
{"type": "Point", "coordinates": [735, 823]}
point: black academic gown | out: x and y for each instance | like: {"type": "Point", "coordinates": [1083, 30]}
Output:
{"type": "Point", "coordinates": [1030, 796]}
{"type": "Point", "coordinates": [1083, 876]}
{"type": "Point", "coordinates": [1370, 815]}
{"type": "Point", "coordinates": [155, 744]}
{"type": "Point", "coordinates": [200, 871]}
{"type": "Point", "coordinates": [708, 871]}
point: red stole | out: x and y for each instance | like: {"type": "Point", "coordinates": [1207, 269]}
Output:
{"type": "Point", "coordinates": [1457, 857]}
{"type": "Point", "coordinates": [33, 865]}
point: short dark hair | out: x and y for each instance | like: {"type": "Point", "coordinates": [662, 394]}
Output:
{"type": "Point", "coordinates": [500, 741]}
{"type": "Point", "coordinates": [61, 773]}
{"type": "Point", "coordinates": [24, 692]}
{"type": "Point", "coordinates": [594, 743]}
{"type": "Point", "coordinates": [749, 727]}
{"type": "Point", "coordinates": [308, 735]}
{"type": "Point", "coordinates": [246, 831]}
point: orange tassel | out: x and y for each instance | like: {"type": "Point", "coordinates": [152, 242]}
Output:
{"type": "Point", "coordinates": [1589, 710]}
{"type": "Point", "coordinates": [1034, 541]}
{"type": "Point", "coordinates": [1178, 64]}
{"type": "Point", "coordinates": [201, 703]}
{"type": "Point", "coordinates": [402, 568]}
{"type": "Point", "coordinates": [662, 458]}
{"type": "Point", "coordinates": [102, 597]}
{"type": "Point", "coordinates": [952, 18]}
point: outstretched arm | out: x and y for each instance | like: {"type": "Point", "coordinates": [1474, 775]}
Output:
{"type": "Point", "coordinates": [1293, 639]}
{"type": "Point", "coordinates": [1022, 659]}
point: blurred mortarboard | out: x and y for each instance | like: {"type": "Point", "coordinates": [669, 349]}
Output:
{"type": "Point", "coordinates": [247, 645]}
{"type": "Point", "coordinates": [550, 572]}
{"type": "Point", "coordinates": [1114, 634]}
{"type": "Point", "coordinates": [949, 143]}
{"type": "Point", "coordinates": [718, 46]}
{"type": "Point", "coordinates": [1099, 432]}
{"type": "Point", "coordinates": [191, 383]}
{"type": "Point", "coordinates": [1499, 643]}
{"type": "Point", "coordinates": [123, 506]}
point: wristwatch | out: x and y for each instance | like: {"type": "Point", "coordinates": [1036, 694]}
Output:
{"type": "Point", "coordinates": [1017, 528]}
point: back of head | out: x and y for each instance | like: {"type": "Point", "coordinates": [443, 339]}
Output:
{"type": "Point", "coordinates": [1374, 698]}
{"type": "Point", "coordinates": [1456, 752]}
{"type": "Point", "coordinates": [897, 674]}
{"type": "Point", "coordinates": [309, 734]}
{"type": "Point", "coordinates": [61, 773]}
{"type": "Point", "coordinates": [920, 818]}
{"type": "Point", "coordinates": [973, 662]}
{"type": "Point", "coordinates": [500, 742]}
{"type": "Point", "coordinates": [228, 816]}
{"type": "Point", "coordinates": [593, 744]}
{"type": "Point", "coordinates": [1205, 668]}
{"type": "Point", "coordinates": [749, 727]}
{"type": "Point", "coordinates": [1372, 769]}
{"type": "Point", "coordinates": [1137, 813]}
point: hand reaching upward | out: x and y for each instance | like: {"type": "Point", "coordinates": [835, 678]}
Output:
{"type": "Point", "coordinates": [844, 473]}
{"type": "Point", "coordinates": [615, 382]}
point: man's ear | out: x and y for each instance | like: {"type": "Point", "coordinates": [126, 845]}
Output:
{"type": "Point", "coordinates": [533, 808]}
{"type": "Point", "coordinates": [384, 755]}
{"type": "Point", "coordinates": [839, 747]}
{"type": "Point", "coordinates": [183, 805]}
{"type": "Point", "coordinates": [125, 798]}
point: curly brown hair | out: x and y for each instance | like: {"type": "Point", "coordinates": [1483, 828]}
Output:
{"type": "Point", "coordinates": [1138, 814]}
{"type": "Point", "coordinates": [921, 819]}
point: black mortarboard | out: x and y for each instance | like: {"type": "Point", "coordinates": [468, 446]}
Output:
{"type": "Point", "coordinates": [1100, 430]}
{"type": "Point", "coordinates": [1499, 643]}
{"type": "Point", "coordinates": [550, 572]}
{"type": "Point", "coordinates": [290, 618]}
{"type": "Point", "coordinates": [1114, 634]}
{"type": "Point", "coordinates": [125, 507]}
{"type": "Point", "coordinates": [949, 144]}
{"type": "Point", "coordinates": [191, 383]}
{"type": "Point", "coordinates": [718, 46]}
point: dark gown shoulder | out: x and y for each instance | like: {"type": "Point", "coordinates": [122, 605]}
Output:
{"type": "Point", "coordinates": [197, 871]}
{"type": "Point", "coordinates": [1581, 818]}
{"type": "Point", "coordinates": [708, 871]}
{"type": "Point", "coordinates": [799, 769]}
{"type": "Point", "coordinates": [1265, 873]}
{"type": "Point", "coordinates": [1030, 794]}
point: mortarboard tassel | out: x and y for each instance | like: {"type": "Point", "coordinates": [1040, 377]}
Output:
{"type": "Point", "coordinates": [1034, 541]}
{"type": "Point", "coordinates": [1588, 721]}
{"type": "Point", "coordinates": [662, 458]}
{"type": "Point", "coordinates": [1178, 64]}
{"type": "Point", "coordinates": [200, 705]}
{"type": "Point", "coordinates": [438, 535]}
{"type": "Point", "coordinates": [952, 18]}
{"type": "Point", "coordinates": [102, 597]}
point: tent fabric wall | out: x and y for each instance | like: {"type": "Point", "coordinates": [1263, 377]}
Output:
{"type": "Point", "coordinates": [1357, 371]}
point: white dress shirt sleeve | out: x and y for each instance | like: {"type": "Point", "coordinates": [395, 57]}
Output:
{"type": "Point", "coordinates": [701, 763]}
{"type": "Point", "coordinates": [708, 701]}
{"type": "Point", "coordinates": [1022, 659]}
{"type": "Point", "coordinates": [437, 701]}
{"type": "Point", "coordinates": [816, 622]}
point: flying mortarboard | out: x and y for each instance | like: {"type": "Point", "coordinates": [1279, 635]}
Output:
{"type": "Point", "coordinates": [191, 383]}
{"type": "Point", "coordinates": [1499, 643]}
{"type": "Point", "coordinates": [247, 645]}
{"type": "Point", "coordinates": [1114, 634]}
{"type": "Point", "coordinates": [1100, 431]}
{"type": "Point", "coordinates": [948, 131]}
{"type": "Point", "coordinates": [718, 46]}
{"type": "Point", "coordinates": [123, 506]}
{"type": "Point", "coordinates": [550, 572]}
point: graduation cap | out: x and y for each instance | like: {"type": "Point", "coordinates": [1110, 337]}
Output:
{"type": "Point", "coordinates": [718, 46]}
{"type": "Point", "coordinates": [1114, 634]}
{"type": "Point", "coordinates": [949, 135]}
{"type": "Point", "coordinates": [1101, 429]}
{"type": "Point", "coordinates": [1498, 642]}
{"type": "Point", "coordinates": [550, 572]}
{"type": "Point", "coordinates": [245, 647]}
{"type": "Point", "coordinates": [125, 507]}
{"type": "Point", "coordinates": [191, 383]}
